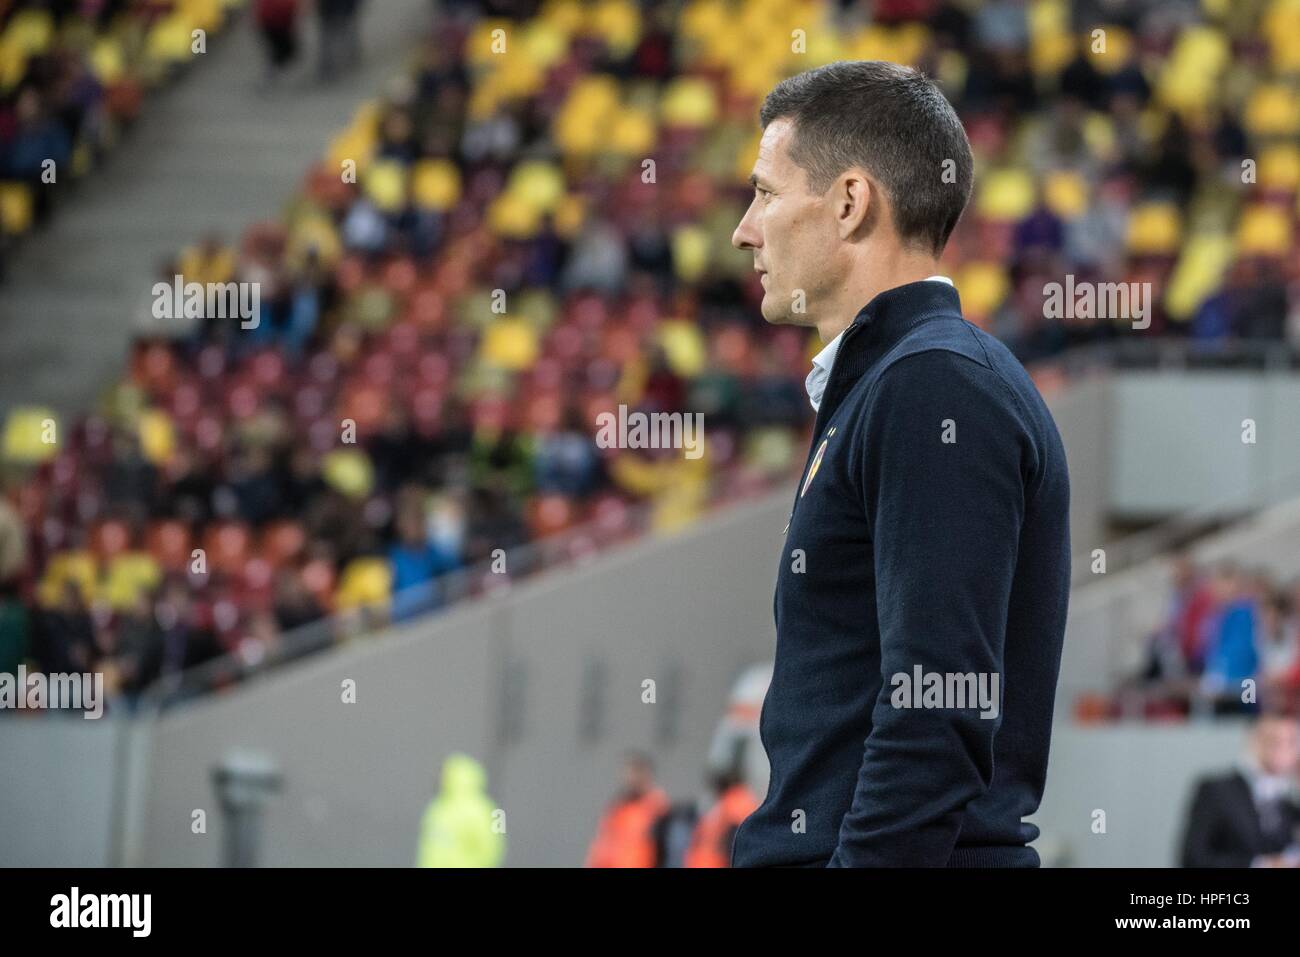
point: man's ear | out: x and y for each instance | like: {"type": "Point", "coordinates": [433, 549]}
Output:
{"type": "Point", "coordinates": [857, 200]}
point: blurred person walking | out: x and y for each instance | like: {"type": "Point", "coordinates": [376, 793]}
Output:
{"type": "Point", "coordinates": [459, 826]}
{"type": "Point", "coordinates": [626, 835]}
{"type": "Point", "coordinates": [277, 20]}
{"type": "Point", "coordinates": [340, 40]}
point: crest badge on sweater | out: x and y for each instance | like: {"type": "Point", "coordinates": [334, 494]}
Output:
{"type": "Point", "coordinates": [816, 462]}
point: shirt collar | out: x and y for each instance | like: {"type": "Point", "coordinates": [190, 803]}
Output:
{"type": "Point", "coordinates": [1264, 787]}
{"type": "Point", "coordinates": [816, 381]}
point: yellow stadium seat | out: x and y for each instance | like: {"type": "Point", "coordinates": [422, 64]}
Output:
{"type": "Point", "coordinates": [32, 435]}
{"type": "Point", "coordinates": [514, 217]}
{"type": "Point", "coordinates": [1066, 193]}
{"type": "Point", "coordinates": [537, 182]}
{"type": "Point", "coordinates": [1113, 55]}
{"type": "Point", "coordinates": [690, 250]}
{"type": "Point", "coordinates": [15, 208]}
{"type": "Point", "coordinates": [169, 40]}
{"type": "Point", "coordinates": [1006, 195]}
{"type": "Point", "coordinates": [570, 215]}
{"type": "Point", "coordinates": [1280, 25]}
{"type": "Point", "coordinates": [545, 42]}
{"type": "Point", "coordinates": [633, 133]}
{"type": "Point", "coordinates": [157, 436]}
{"type": "Point", "coordinates": [30, 32]}
{"type": "Point", "coordinates": [313, 232]}
{"type": "Point", "coordinates": [127, 577]}
{"type": "Point", "coordinates": [435, 184]}
{"type": "Point", "coordinates": [1279, 168]}
{"type": "Point", "coordinates": [509, 343]}
{"type": "Point", "coordinates": [385, 185]}
{"type": "Point", "coordinates": [1273, 110]}
{"type": "Point", "coordinates": [689, 102]}
{"type": "Point", "coordinates": [684, 347]}
{"type": "Point", "coordinates": [1189, 79]}
{"type": "Point", "coordinates": [563, 16]}
{"type": "Point", "coordinates": [1154, 229]}
{"type": "Point", "coordinates": [983, 287]}
{"type": "Point", "coordinates": [348, 471]}
{"type": "Point", "coordinates": [618, 22]}
{"type": "Point", "coordinates": [75, 566]}
{"type": "Point", "coordinates": [364, 582]}
{"type": "Point", "coordinates": [1264, 231]}
{"type": "Point", "coordinates": [107, 60]}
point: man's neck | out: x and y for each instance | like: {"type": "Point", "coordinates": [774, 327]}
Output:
{"type": "Point", "coordinates": [904, 268]}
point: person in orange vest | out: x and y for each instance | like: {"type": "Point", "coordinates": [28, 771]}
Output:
{"type": "Point", "coordinates": [711, 842]}
{"type": "Point", "coordinates": [625, 836]}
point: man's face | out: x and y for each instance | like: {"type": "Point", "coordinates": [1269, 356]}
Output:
{"type": "Point", "coordinates": [637, 778]}
{"type": "Point", "coordinates": [791, 232]}
{"type": "Point", "coordinates": [1277, 745]}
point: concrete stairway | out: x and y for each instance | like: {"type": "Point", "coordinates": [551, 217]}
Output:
{"type": "Point", "coordinates": [213, 151]}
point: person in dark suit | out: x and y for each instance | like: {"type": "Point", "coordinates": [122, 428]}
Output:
{"type": "Point", "coordinates": [1250, 818]}
{"type": "Point", "coordinates": [921, 594]}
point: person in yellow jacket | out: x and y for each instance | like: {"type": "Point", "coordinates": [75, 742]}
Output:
{"type": "Point", "coordinates": [459, 828]}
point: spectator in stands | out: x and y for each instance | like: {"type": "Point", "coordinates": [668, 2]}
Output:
{"type": "Point", "coordinates": [416, 559]}
{"type": "Point", "coordinates": [1250, 817]}
{"type": "Point", "coordinates": [1231, 655]}
{"type": "Point", "coordinates": [625, 836]}
{"type": "Point", "coordinates": [295, 605]}
{"type": "Point", "coordinates": [1280, 649]}
{"type": "Point", "coordinates": [37, 140]}
{"type": "Point", "coordinates": [67, 639]}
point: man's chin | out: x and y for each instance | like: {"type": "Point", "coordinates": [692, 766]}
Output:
{"type": "Point", "coordinates": [774, 317]}
{"type": "Point", "coordinates": [772, 314]}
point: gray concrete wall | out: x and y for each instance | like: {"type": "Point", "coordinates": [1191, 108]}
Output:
{"type": "Point", "coordinates": [1177, 441]}
{"type": "Point", "coordinates": [1084, 418]}
{"type": "Point", "coordinates": [57, 790]}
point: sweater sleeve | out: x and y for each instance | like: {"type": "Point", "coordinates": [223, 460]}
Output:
{"type": "Point", "coordinates": [943, 459]}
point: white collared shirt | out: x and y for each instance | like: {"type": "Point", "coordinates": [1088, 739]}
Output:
{"type": "Point", "coordinates": [822, 362]}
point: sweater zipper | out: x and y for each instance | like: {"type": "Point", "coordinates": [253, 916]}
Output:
{"type": "Point", "coordinates": [822, 414]}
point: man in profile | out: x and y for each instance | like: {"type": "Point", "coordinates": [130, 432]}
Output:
{"type": "Point", "coordinates": [921, 594]}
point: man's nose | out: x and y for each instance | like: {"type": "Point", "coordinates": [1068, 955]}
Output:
{"type": "Point", "coordinates": [746, 235]}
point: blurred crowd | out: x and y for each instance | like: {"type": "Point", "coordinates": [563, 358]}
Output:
{"type": "Point", "coordinates": [73, 74]}
{"type": "Point", "coordinates": [533, 226]}
{"type": "Point", "coordinates": [1229, 644]}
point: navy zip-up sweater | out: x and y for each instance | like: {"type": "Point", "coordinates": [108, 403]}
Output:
{"type": "Point", "coordinates": [930, 534]}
